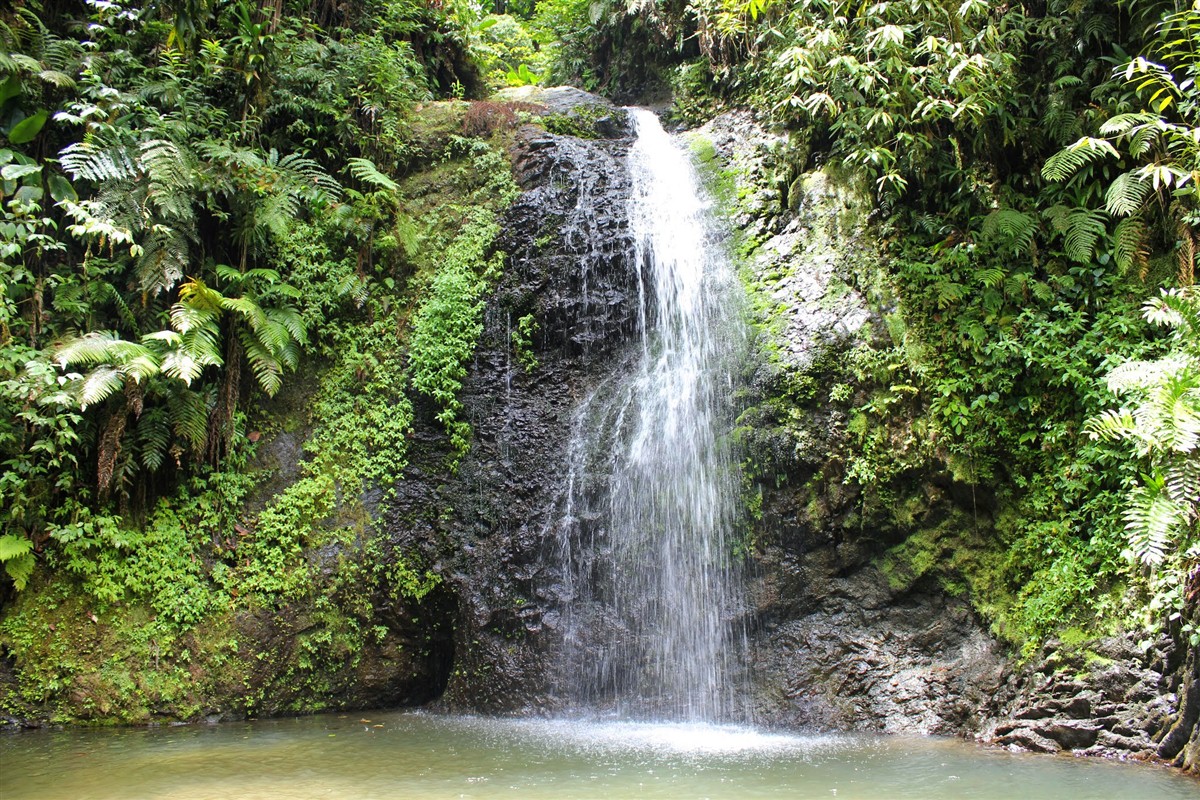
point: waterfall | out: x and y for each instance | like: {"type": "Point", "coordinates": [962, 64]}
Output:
{"type": "Point", "coordinates": [647, 515]}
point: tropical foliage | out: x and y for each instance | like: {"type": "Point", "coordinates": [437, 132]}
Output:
{"type": "Point", "coordinates": [1035, 169]}
{"type": "Point", "coordinates": [158, 160]}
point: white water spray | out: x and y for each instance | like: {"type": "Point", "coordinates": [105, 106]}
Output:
{"type": "Point", "coordinates": [645, 534]}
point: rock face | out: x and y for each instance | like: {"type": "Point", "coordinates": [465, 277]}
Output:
{"type": "Point", "coordinates": [835, 640]}
{"type": "Point", "coordinates": [839, 643]}
{"type": "Point", "coordinates": [834, 645]}
{"type": "Point", "coordinates": [485, 528]}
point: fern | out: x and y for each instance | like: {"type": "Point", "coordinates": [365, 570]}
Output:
{"type": "Point", "coordinates": [16, 553]}
{"type": "Point", "coordinates": [153, 433]}
{"type": "Point", "coordinates": [1072, 158]}
{"type": "Point", "coordinates": [1151, 518]}
{"type": "Point", "coordinates": [1083, 230]}
{"type": "Point", "coordinates": [1130, 244]}
{"type": "Point", "coordinates": [1127, 194]}
{"type": "Point", "coordinates": [365, 170]}
{"type": "Point", "coordinates": [98, 163]}
{"type": "Point", "coordinates": [114, 362]}
{"type": "Point", "coordinates": [1162, 424]}
{"type": "Point", "coordinates": [163, 260]}
{"type": "Point", "coordinates": [1011, 228]}
{"type": "Point", "coordinates": [1178, 309]}
{"type": "Point", "coordinates": [190, 411]}
{"type": "Point", "coordinates": [1123, 124]}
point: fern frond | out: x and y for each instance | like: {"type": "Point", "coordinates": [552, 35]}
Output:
{"type": "Point", "coordinates": [1127, 194]}
{"type": "Point", "coordinates": [97, 163]}
{"type": "Point", "coordinates": [1084, 229]}
{"type": "Point", "coordinates": [1122, 124]}
{"type": "Point", "coordinates": [1175, 406]}
{"type": "Point", "coordinates": [1073, 157]}
{"type": "Point", "coordinates": [187, 363]}
{"type": "Point", "coordinates": [1176, 308]}
{"type": "Point", "coordinates": [263, 363]}
{"type": "Point", "coordinates": [190, 412]}
{"type": "Point", "coordinates": [364, 169]}
{"type": "Point", "coordinates": [990, 276]}
{"type": "Point", "coordinates": [292, 321]}
{"type": "Point", "coordinates": [1151, 518]}
{"type": "Point", "coordinates": [1130, 244]}
{"type": "Point", "coordinates": [153, 437]}
{"type": "Point", "coordinates": [163, 260]}
{"type": "Point", "coordinates": [1140, 374]}
{"type": "Point", "coordinates": [99, 384]}
{"type": "Point", "coordinates": [107, 348]}
{"type": "Point", "coordinates": [170, 170]}
{"type": "Point", "coordinates": [1181, 479]}
{"type": "Point", "coordinates": [1111, 424]}
{"type": "Point", "coordinates": [1011, 228]}
{"type": "Point", "coordinates": [229, 156]}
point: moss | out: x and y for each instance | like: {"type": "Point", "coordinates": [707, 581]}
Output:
{"type": "Point", "coordinates": [583, 122]}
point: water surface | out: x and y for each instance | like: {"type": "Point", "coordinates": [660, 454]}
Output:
{"type": "Point", "coordinates": [414, 756]}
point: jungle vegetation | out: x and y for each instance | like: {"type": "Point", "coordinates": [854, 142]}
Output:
{"type": "Point", "coordinates": [203, 200]}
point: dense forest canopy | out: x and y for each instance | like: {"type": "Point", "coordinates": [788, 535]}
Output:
{"type": "Point", "coordinates": [200, 196]}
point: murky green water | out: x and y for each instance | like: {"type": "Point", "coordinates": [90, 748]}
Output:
{"type": "Point", "coordinates": [397, 755]}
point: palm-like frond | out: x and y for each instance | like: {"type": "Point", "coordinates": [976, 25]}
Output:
{"type": "Point", "coordinates": [1130, 245]}
{"type": "Point", "coordinates": [170, 171]}
{"type": "Point", "coordinates": [114, 362]}
{"type": "Point", "coordinates": [1178, 309]}
{"type": "Point", "coordinates": [266, 366]}
{"type": "Point", "coordinates": [364, 169]}
{"type": "Point", "coordinates": [1082, 229]}
{"type": "Point", "coordinates": [1012, 229]}
{"type": "Point", "coordinates": [1073, 157]}
{"type": "Point", "coordinates": [1151, 518]}
{"type": "Point", "coordinates": [1127, 194]}
{"type": "Point", "coordinates": [163, 260]}
{"type": "Point", "coordinates": [153, 437]}
{"type": "Point", "coordinates": [95, 161]}
{"type": "Point", "coordinates": [189, 410]}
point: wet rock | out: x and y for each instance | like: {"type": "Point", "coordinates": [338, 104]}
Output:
{"type": "Point", "coordinates": [487, 526]}
{"type": "Point", "coordinates": [1028, 739]}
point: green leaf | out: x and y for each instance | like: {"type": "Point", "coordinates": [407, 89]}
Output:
{"type": "Point", "coordinates": [12, 172]}
{"type": "Point", "coordinates": [25, 130]}
{"type": "Point", "coordinates": [61, 189]}
{"type": "Point", "coordinates": [10, 89]}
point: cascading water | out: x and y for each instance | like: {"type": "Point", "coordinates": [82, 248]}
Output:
{"type": "Point", "coordinates": [651, 491]}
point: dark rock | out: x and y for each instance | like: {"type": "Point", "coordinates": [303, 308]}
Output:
{"type": "Point", "coordinates": [488, 526]}
{"type": "Point", "coordinates": [1028, 739]}
{"type": "Point", "coordinates": [1069, 734]}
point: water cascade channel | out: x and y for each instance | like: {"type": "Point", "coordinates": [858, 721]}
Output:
{"type": "Point", "coordinates": [649, 506]}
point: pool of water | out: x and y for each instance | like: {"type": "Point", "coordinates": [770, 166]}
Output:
{"type": "Point", "coordinates": [414, 755]}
